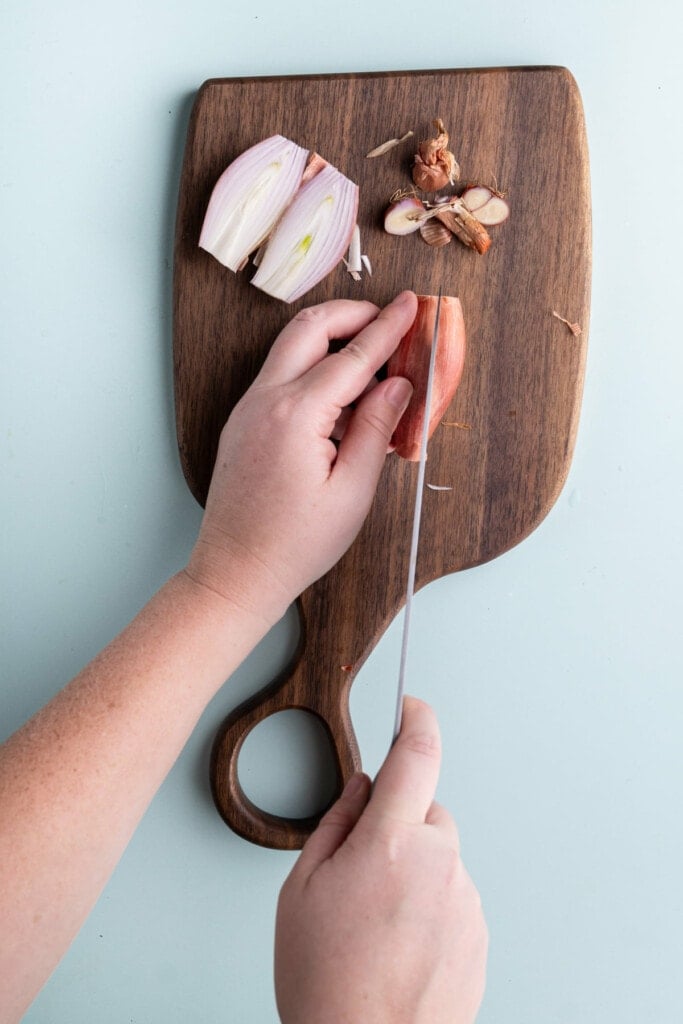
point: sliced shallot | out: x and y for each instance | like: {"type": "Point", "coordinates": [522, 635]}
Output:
{"type": "Point", "coordinates": [488, 207]}
{"type": "Point", "coordinates": [404, 216]}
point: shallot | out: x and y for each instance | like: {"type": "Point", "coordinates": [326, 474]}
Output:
{"type": "Point", "coordinates": [292, 209]}
{"type": "Point", "coordinates": [249, 197]}
{"type": "Point", "coordinates": [411, 360]}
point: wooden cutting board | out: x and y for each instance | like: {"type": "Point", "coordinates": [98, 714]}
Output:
{"type": "Point", "coordinates": [506, 441]}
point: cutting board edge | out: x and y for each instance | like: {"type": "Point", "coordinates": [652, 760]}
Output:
{"type": "Point", "coordinates": [408, 72]}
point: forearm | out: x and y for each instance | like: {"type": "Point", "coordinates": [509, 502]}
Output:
{"type": "Point", "coordinates": [77, 778]}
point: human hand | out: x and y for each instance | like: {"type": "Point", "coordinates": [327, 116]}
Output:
{"type": "Point", "coordinates": [285, 503]}
{"type": "Point", "coordinates": [379, 921]}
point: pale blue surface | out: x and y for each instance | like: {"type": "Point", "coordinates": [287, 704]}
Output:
{"type": "Point", "coordinates": [556, 670]}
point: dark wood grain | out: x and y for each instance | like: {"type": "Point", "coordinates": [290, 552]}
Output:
{"type": "Point", "coordinates": [521, 389]}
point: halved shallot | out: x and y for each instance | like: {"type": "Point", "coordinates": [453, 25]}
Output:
{"type": "Point", "coordinates": [404, 215]}
{"type": "Point", "coordinates": [310, 238]}
{"type": "Point", "coordinates": [488, 207]}
{"type": "Point", "coordinates": [249, 198]}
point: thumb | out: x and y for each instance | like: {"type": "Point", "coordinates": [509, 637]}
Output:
{"type": "Point", "coordinates": [405, 785]}
{"type": "Point", "coordinates": [374, 420]}
{"type": "Point", "coordinates": [336, 825]}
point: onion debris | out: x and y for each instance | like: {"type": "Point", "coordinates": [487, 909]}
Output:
{"type": "Point", "coordinates": [386, 146]}
{"type": "Point", "coordinates": [463, 216]}
{"type": "Point", "coordinates": [353, 262]}
{"type": "Point", "coordinates": [435, 166]}
{"type": "Point", "coordinates": [436, 234]}
{"type": "Point", "coordinates": [357, 261]}
{"type": "Point", "coordinates": [573, 327]}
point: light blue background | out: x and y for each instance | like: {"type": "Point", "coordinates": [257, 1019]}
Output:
{"type": "Point", "coordinates": [556, 670]}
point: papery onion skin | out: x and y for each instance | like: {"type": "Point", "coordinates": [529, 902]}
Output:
{"type": "Point", "coordinates": [249, 198]}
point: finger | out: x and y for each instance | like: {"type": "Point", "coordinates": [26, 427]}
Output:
{"type": "Point", "coordinates": [306, 338]}
{"type": "Point", "coordinates": [364, 444]}
{"type": "Point", "coordinates": [440, 818]}
{"type": "Point", "coordinates": [342, 376]}
{"type": "Point", "coordinates": [406, 783]}
{"type": "Point", "coordinates": [335, 826]}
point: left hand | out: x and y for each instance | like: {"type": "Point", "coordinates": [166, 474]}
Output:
{"type": "Point", "coordinates": [285, 503]}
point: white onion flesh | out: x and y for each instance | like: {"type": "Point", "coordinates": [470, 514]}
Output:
{"type": "Point", "coordinates": [488, 207]}
{"type": "Point", "coordinates": [249, 198]}
{"type": "Point", "coordinates": [311, 237]}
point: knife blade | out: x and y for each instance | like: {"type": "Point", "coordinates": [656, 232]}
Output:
{"type": "Point", "coordinates": [417, 515]}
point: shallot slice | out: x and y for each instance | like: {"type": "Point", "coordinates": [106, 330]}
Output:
{"type": "Point", "coordinates": [476, 196]}
{"type": "Point", "coordinates": [404, 216]}
{"type": "Point", "coordinates": [488, 207]}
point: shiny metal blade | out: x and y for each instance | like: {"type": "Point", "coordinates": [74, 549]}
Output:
{"type": "Point", "coordinates": [417, 515]}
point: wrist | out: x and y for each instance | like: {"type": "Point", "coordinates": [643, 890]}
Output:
{"type": "Point", "coordinates": [204, 631]}
{"type": "Point", "coordinates": [236, 584]}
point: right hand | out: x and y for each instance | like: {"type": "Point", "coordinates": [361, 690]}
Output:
{"type": "Point", "coordinates": [379, 922]}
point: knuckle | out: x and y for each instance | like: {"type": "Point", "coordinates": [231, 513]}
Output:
{"type": "Point", "coordinates": [310, 315]}
{"type": "Point", "coordinates": [284, 408]}
{"type": "Point", "coordinates": [355, 351]}
{"type": "Point", "coordinates": [338, 817]}
{"type": "Point", "coordinates": [377, 422]}
{"type": "Point", "coordinates": [390, 845]}
{"type": "Point", "coordinates": [425, 744]}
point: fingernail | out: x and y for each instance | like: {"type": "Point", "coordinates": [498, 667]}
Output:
{"type": "Point", "coordinates": [354, 786]}
{"type": "Point", "coordinates": [403, 299]}
{"type": "Point", "coordinates": [398, 392]}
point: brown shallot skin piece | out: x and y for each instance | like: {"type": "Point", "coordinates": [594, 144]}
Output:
{"type": "Point", "coordinates": [411, 360]}
{"type": "Point", "coordinates": [435, 166]}
{"type": "Point", "coordinates": [314, 164]}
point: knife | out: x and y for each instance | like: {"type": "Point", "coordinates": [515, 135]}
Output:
{"type": "Point", "coordinates": [417, 515]}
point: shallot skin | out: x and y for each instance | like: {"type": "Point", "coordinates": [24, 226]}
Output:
{"type": "Point", "coordinates": [411, 360]}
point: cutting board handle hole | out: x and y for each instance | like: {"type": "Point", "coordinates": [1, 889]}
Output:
{"type": "Point", "coordinates": [286, 765]}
